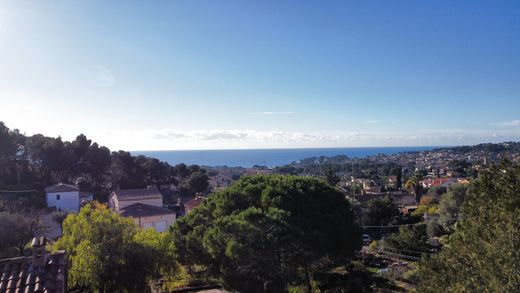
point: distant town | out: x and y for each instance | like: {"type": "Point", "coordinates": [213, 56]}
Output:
{"type": "Point", "coordinates": [55, 195]}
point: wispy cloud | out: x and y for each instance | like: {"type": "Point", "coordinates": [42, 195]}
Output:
{"type": "Point", "coordinates": [421, 136]}
{"type": "Point", "coordinates": [372, 122]}
{"type": "Point", "coordinates": [198, 135]}
{"type": "Point", "coordinates": [273, 113]}
{"type": "Point", "coordinates": [101, 76]}
{"type": "Point", "coordinates": [512, 123]}
{"type": "Point", "coordinates": [250, 138]}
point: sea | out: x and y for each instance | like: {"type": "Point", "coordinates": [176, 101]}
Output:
{"type": "Point", "coordinates": [267, 157]}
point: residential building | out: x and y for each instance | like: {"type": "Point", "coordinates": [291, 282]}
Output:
{"type": "Point", "coordinates": [372, 190]}
{"type": "Point", "coordinates": [144, 206]}
{"type": "Point", "coordinates": [391, 181]}
{"type": "Point", "coordinates": [444, 182]}
{"type": "Point", "coordinates": [64, 197]}
{"type": "Point", "coordinates": [190, 205]}
{"type": "Point", "coordinates": [122, 198]}
{"type": "Point", "coordinates": [148, 216]}
{"type": "Point", "coordinates": [41, 272]}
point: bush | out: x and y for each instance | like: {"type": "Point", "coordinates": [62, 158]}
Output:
{"type": "Point", "coordinates": [58, 217]}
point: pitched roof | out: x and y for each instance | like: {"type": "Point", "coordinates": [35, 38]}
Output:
{"type": "Point", "coordinates": [61, 187]}
{"type": "Point", "coordinates": [133, 194]}
{"type": "Point", "coordinates": [373, 189]}
{"type": "Point", "coordinates": [18, 275]}
{"type": "Point", "coordinates": [194, 202]}
{"type": "Point", "coordinates": [143, 210]}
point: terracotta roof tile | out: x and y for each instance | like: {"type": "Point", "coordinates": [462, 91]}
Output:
{"type": "Point", "coordinates": [194, 202]}
{"type": "Point", "coordinates": [18, 275]}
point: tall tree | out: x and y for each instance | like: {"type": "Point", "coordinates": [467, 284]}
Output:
{"type": "Point", "coordinates": [98, 161]}
{"type": "Point", "coordinates": [379, 212]}
{"type": "Point", "coordinates": [450, 205]}
{"type": "Point", "coordinates": [414, 186]}
{"type": "Point", "coordinates": [266, 232]}
{"type": "Point", "coordinates": [16, 231]}
{"type": "Point", "coordinates": [483, 254]}
{"type": "Point", "coordinates": [331, 177]}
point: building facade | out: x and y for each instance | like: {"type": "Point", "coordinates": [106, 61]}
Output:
{"type": "Point", "coordinates": [144, 206]}
{"type": "Point", "coordinates": [64, 197]}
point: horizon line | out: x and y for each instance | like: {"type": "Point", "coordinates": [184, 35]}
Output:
{"type": "Point", "coordinates": [305, 148]}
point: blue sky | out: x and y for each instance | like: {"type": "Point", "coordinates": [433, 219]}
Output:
{"type": "Point", "coordinates": [262, 74]}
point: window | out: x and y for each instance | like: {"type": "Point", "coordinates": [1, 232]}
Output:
{"type": "Point", "coordinates": [57, 197]}
{"type": "Point", "coordinates": [160, 226]}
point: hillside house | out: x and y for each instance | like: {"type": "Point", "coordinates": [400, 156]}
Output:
{"type": "Point", "coordinates": [190, 205]}
{"type": "Point", "coordinates": [442, 182]}
{"type": "Point", "coordinates": [391, 181]}
{"type": "Point", "coordinates": [64, 197]}
{"type": "Point", "coordinates": [144, 206]}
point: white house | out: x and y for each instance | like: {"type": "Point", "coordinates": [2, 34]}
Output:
{"type": "Point", "coordinates": [145, 206]}
{"type": "Point", "coordinates": [64, 197]}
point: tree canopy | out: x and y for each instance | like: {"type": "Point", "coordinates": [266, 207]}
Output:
{"type": "Point", "coordinates": [483, 253]}
{"type": "Point", "coordinates": [379, 212]}
{"type": "Point", "coordinates": [16, 230]}
{"type": "Point", "coordinates": [34, 162]}
{"type": "Point", "coordinates": [267, 231]}
{"type": "Point", "coordinates": [450, 205]}
{"type": "Point", "coordinates": [109, 253]}
{"type": "Point", "coordinates": [331, 177]}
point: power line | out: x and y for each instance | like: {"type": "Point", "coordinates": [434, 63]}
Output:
{"type": "Point", "coordinates": [389, 226]}
{"type": "Point", "coordinates": [403, 256]}
{"type": "Point", "coordinates": [400, 225]}
{"type": "Point", "coordinates": [405, 250]}
{"type": "Point", "coordinates": [19, 191]}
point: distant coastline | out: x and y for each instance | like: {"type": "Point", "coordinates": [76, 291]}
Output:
{"type": "Point", "coordinates": [268, 157]}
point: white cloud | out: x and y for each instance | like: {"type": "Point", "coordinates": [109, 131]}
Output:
{"type": "Point", "coordinates": [372, 122]}
{"type": "Point", "coordinates": [197, 135]}
{"type": "Point", "coordinates": [512, 123]}
{"type": "Point", "coordinates": [274, 113]}
{"type": "Point", "coordinates": [222, 138]}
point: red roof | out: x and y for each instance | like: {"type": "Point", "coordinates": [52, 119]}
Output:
{"type": "Point", "coordinates": [194, 202]}
{"type": "Point", "coordinates": [18, 274]}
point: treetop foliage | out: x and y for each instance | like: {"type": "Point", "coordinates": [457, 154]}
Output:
{"type": "Point", "coordinates": [265, 232]}
{"type": "Point", "coordinates": [483, 253]}
{"type": "Point", "coordinates": [34, 162]}
{"type": "Point", "coordinates": [109, 253]}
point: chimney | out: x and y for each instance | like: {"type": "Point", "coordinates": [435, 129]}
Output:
{"type": "Point", "coordinates": [39, 257]}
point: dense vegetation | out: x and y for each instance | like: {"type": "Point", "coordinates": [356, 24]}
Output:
{"type": "Point", "coordinates": [33, 162]}
{"type": "Point", "coordinates": [483, 253]}
{"type": "Point", "coordinates": [267, 232]}
{"type": "Point", "coordinates": [326, 166]}
{"type": "Point", "coordinates": [274, 233]}
{"type": "Point", "coordinates": [109, 253]}
{"type": "Point", "coordinates": [510, 146]}
{"type": "Point", "coordinates": [15, 230]}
